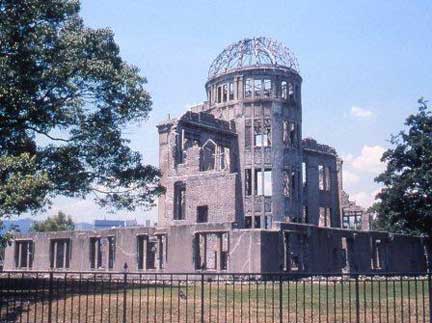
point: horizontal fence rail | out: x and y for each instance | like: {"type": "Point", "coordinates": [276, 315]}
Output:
{"type": "Point", "coordinates": [211, 297]}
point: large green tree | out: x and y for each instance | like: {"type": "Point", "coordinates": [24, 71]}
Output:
{"type": "Point", "coordinates": [66, 96]}
{"type": "Point", "coordinates": [405, 203]}
{"type": "Point", "coordinates": [58, 222]}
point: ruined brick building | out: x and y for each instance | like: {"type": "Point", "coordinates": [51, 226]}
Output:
{"type": "Point", "coordinates": [245, 192]}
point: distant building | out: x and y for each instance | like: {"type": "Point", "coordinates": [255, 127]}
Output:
{"type": "Point", "coordinates": [354, 217]}
{"type": "Point", "coordinates": [110, 224]}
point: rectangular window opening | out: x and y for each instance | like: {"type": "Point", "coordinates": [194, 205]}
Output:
{"type": "Point", "coordinates": [60, 252]}
{"type": "Point", "coordinates": [263, 182]}
{"type": "Point", "coordinates": [111, 252]}
{"type": "Point", "coordinates": [248, 88]}
{"type": "Point", "coordinates": [231, 91]}
{"type": "Point", "coordinates": [267, 87]}
{"type": "Point", "coordinates": [284, 90]}
{"type": "Point", "coordinates": [24, 253]}
{"type": "Point", "coordinates": [225, 93]}
{"type": "Point", "coordinates": [202, 214]}
{"type": "Point", "coordinates": [257, 88]}
{"type": "Point", "coordinates": [95, 253]}
{"type": "Point", "coordinates": [179, 201]}
{"type": "Point", "coordinates": [219, 94]}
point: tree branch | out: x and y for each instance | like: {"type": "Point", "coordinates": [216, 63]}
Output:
{"type": "Point", "coordinates": [47, 135]}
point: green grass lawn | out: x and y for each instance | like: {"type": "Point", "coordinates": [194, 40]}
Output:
{"type": "Point", "coordinates": [297, 301]}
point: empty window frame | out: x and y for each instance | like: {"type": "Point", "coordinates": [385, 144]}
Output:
{"type": "Point", "coordinates": [225, 93]}
{"type": "Point", "coordinates": [257, 84]}
{"type": "Point", "coordinates": [248, 182]}
{"type": "Point", "coordinates": [95, 253]}
{"type": "Point", "coordinates": [267, 88]}
{"type": "Point", "coordinates": [147, 249]}
{"type": "Point", "coordinates": [231, 91]}
{"type": "Point", "coordinates": [111, 252]}
{"type": "Point", "coordinates": [179, 201]}
{"type": "Point", "coordinates": [248, 221]}
{"type": "Point", "coordinates": [293, 252]}
{"type": "Point", "coordinates": [304, 174]}
{"type": "Point", "coordinates": [211, 251]}
{"type": "Point", "coordinates": [224, 157]}
{"type": "Point", "coordinates": [24, 253]}
{"type": "Point", "coordinates": [162, 250]}
{"type": "Point", "coordinates": [141, 241]}
{"type": "Point", "coordinates": [248, 134]}
{"type": "Point", "coordinates": [208, 156]}
{"type": "Point", "coordinates": [248, 88]}
{"type": "Point", "coordinates": [305, 214]}
{"type": "Point", "coordinates": [293, 184]}
{"type": "Point", "coordinates": [219, 94]}
{"type": "Point", "coordinates": [324, 178]}
{"type": "Point", "coordinates": [151, 254]}
{"type": "Point", "coordinates": [262, 133]}
{"type": "Point", "coordinates": [263, 182]}
{"type": "Point", "coordinates": [352, 219]}
{"type": "Point", "coordinates": [321, 177]}
{"type": "Point", "coordinates": [293, 138]}
{"type": "Point", "coordinates": [290, 133]}
{"type": "Point", "coordinates": [324, 217]}
{"type": "Point", "coordinates": [284, 90]}
{"type": "Point", "coordinates": [327, 179]}
{"type": "Point", "coordinates": [202, 214]}
{"type": "Point", "coordinates": [60, 252]}
{"type": "Point", "coordinates": [291, 93]}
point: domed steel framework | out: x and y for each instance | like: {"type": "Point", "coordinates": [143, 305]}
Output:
{"type": "Point", "coordinates": [260, 51]}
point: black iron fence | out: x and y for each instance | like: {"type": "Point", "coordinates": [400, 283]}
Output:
{"type": "Point", "coordinates": [211, 297]}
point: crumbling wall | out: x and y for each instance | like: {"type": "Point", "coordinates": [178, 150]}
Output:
{"type": "Point", "coordinates": [321, 186]}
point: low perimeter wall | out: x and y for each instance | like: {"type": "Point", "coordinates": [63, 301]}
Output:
{"type": "Point", "coordinates": [219, 247]}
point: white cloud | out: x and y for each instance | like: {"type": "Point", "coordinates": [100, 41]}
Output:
{"type": "Point", "coordinates": [364, 199]}
{"type": "Point", "coordinates": [369, 160]}
{"type": "Point", "coordinates": [361, 113]}
{"type": "Point", "coordinates": [349, 178]}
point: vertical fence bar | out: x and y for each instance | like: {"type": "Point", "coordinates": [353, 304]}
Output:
{"type": "Point", "coordinates": [202, 298]}
{"type": "Point", "coordinates": [50, 296]}
{"type": "Point", "coordinates": [280, 299]}
{"type": "Point", "coordinates": [357, 298]}
{"type": "Point", "coordinates": [430, 295]}
{"type": "Point", "coordinates": [125, 293]}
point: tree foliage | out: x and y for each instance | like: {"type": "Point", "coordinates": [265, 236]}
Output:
{"type": "Point", "coordinates": [405, 203]}
{"type": "Point", "coordinates": [59, 222]}
{"type": "Point", "coordinates": [66, 96]}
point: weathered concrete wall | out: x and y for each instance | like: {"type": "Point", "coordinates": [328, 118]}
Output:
{"type": "Point", "coordinates": [126, 248]}
{"type": "Point", "coordinates": [311, 249]}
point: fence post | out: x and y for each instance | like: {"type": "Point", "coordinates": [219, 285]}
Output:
{"type": "Point", "coordinates": [430, 295]}
{"type": "Point", "coordinates": [125, 286]}
{"type": "Point", "coordinates": [50, 295]}
{"type": "Point", "coordinates": [202, 298]}
{"type": "Point", "coordinates": [280, 299]}
{"type": "Point", "coordinates": [357, 293]}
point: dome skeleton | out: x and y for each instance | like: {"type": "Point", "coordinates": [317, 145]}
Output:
{"type": "Point", "coordinates": [260, 51]}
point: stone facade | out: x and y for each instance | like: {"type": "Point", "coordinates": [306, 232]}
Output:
{"type": "Point", "coordinates": [244, 191]}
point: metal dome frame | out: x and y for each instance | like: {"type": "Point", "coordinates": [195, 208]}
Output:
{"type": "Point", "coordinates": [259, 51]}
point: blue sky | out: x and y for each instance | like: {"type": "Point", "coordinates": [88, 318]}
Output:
{"type": "Point", "coordinates": [364, 65]}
